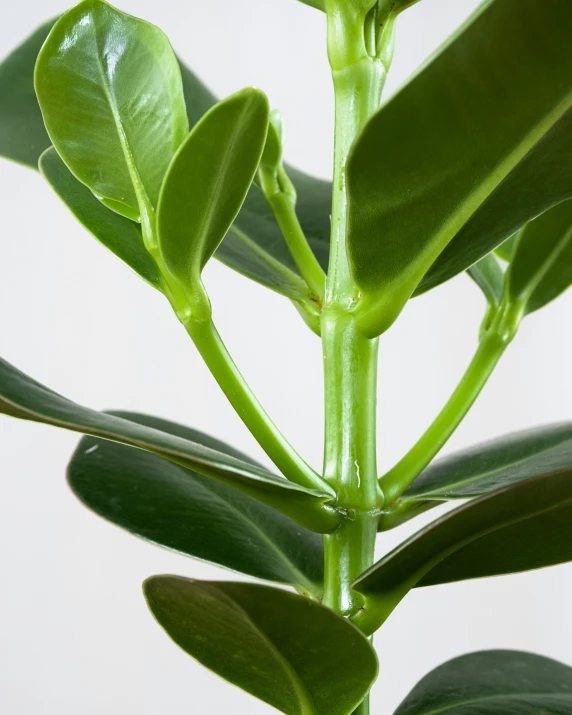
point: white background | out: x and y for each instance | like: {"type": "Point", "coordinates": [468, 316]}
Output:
{"type": "Point", "coordinates": [75, 636]}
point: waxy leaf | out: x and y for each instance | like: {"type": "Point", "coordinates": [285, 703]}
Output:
{"type": "Point", "coordinates": [117, 233]}
{"type": "Point", "coordinates": [541, 265]}
{"type": "Point", "coordinates": [526, 525]}
{"type": "Point", "coordinates": [254, 246]}
{"type": "Point", "coordinates": [23, 136]}
{"type": "Point", "coordinates": [291, 652]}
{"type": "Point", "coordinates": [110, 91]}
{"type": "Point", "coordinates": [207, 183]}
{"type": "Point", "coordinates": [493, 682]}
{"type": "Point", "coordinates": [493, 465]}
{"type": "Point", "coordinates": [22, 397]}
{"type": "Point", "coordinates": [182, 510]}
{"type": "Point", "coordinates": [460, 130]}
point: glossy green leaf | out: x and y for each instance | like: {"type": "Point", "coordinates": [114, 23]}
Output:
{"type": "Point", "coordinates": [526, 525]}
{"type": "Point", "coordinates": [292, 653]}
{"type": "Point", "coordinates": [541, 266]}
{"type": "Point", "coordinates": [117, 233]}
{"type": "Point", "coordinates": [22, 397]}
{"type": "Point", "coordinates": [110, 91]}
{"type": "Point", "coordinates": [207, 183]}
{"type": "Point", "coordinates": [494, 682]}
{"type": "Point", "coordinates": [462, 129]}
{"type": "Point", "coordinates": [489, 276]}
{"type": "Point", "coordinates": [493, 465]}
{"type": "Point", "coordinates": [253, 247]}
{"type": "Point", "coordinates": [23, 136]}
{"type": "Point", "coordinates": [182, 510]}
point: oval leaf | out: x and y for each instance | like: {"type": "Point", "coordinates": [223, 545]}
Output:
{"type": "Point", "coordinates": [207, 182]}
{"type": "Point", "coordinates": [489, 276]}
{"type": "Point", "coordinates": [288, 651]}
{"type": "Point", "coordinates": [189, 513]}
{"type": "Point", "coordinates": [541, 266]}
{"type": "Point", "coordinates": [493, 682]}
{"type": "Point", "coordinates": [525, 526]}
{"type": "Point", "coordinates": [117, 233]}
{"type": "Point", "coordinates": [486, 101]}
{"type": "Point", "coordinates": [110, 91]}
{"type": "Point", "coordinates": [22, 397]}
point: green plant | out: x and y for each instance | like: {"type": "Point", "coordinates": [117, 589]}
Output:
{"type": "Point", "coordinates": [467, 168]}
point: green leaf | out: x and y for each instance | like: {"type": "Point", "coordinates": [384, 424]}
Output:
{"type": "Point", "coordinates": [493, 465]}
{"type": "Point", "coordinates": [488, 275]}
{"type": "Point", "coordinates": [318, 4]}
{"type": "Point", "coordinates": [22, 397]}
{"type": "Point", "coordinates": [507, 248]}
{"type": "Point", "coordinates": [254, 246]}
{"type": "Point", "coordinates": [541, 266]}
{"type": "Point", "coordinates": [292, 653]}
{"type": "Point", "coordinates": [110, 91]}
{"type": "Point", "coordinates": [493, 682]}
{"type": "Point", "coordinates": [117, 233]}
{"type": "Point", "coordinates": [462, 129]}
{"type": "Point", "coordinates": [189, 513]}
{"type": "Point", "coordinates": [23, 136]}
{"type": "Point", "coordinates": [523, 526]}
{"type": "Point", "coordinates": [207, 183]}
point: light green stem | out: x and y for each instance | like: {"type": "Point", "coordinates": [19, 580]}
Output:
{"type": "Point", "coordinates": [401, 476]}
{"type": "Point", "coordinates": [241, 397]}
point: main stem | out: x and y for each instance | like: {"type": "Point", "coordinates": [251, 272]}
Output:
{"type": "Point", "coordinates": [350, 358]}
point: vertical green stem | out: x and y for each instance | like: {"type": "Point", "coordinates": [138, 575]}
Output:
{"type": "Point", "coordinates": [350, 359]}
{"type": "Point", "coordinates": [350, 369]}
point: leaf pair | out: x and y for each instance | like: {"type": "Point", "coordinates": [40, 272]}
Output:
{"type": "Point", "coordinates": [520, 521]}
{"type": "Point", "coordinates": [111, 94]}
{"type": "Point", "coordinates": [22, 397]}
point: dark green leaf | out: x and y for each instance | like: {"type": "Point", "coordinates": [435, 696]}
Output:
{"type": "Point", "coordinates": [187, 512]}
{"type": "Point", "coordinates": [207, 183]}
{"type": "Point", "coordinates": [494, 682]}
{"type": "Point", "coordinates": [110, 91]}
{"type": "Point", "coordinates": [460, 131]}
{"type": "Point", "coordinates": [22, 397]}
{"type": "Point", "coordinates": [494, 465]}
{"type": "Point", "coordinates": [23, 136]}
{"type": "Point", "coordinates": [541, 266]}
{"type": "Point", "coordinates": [288, 651]}
{"type": "Point", "coordinates": [115, 232]}
{"type": "Point", "coordinates": [507, 248]}
{"type": "Point", "coordinates": [488, 275]}
{"type": "Point", "coordinates": [527, 525]}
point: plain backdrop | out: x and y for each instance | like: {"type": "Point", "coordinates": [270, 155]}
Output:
{"type": "Point", "coordinates": [75, 635]}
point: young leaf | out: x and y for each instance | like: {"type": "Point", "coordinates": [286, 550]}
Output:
{"type": "Point", "coordinates": [254, 246]}
{"type": "Point", "coordinates": [207, 183]}
{"type": "Point", "coordinates": [23, 136]}
{"type": "Point", "coordinates": [488, 275]}
{"type": "Point", "coordinates": [318, 4]}
{"type": "Point", "coordinates": [493, 682]}
{"type": "Point", "coordinates": [110, 91]}
{"type": "Point", "coordinates": [486, 101]}
{"type": "Point", "coordinates": [117, 233]}
{"type": "Point", "coordinates": [182, 510]}
{"type": "Point", "coordinates": [524, 526]}
{"type": "Point", "coordinates": [290, 652]}
{"type": "Point", "coordinates": [22, 397]}
{"type": "Point", "coordinates": [541, 266]}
